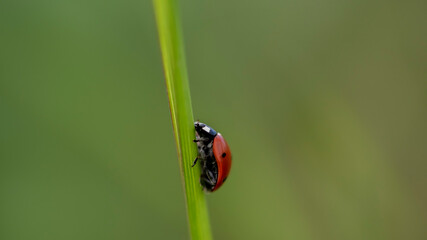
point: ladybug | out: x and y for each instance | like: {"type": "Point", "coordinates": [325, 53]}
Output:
{"type": "Point", "coordinates": [214, 155]}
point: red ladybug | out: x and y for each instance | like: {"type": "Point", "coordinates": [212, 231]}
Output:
{"type": "Point", "coordinates": [215, 156]}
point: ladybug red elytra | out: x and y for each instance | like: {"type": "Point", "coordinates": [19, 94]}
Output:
{"type": "Point", "coordinates": [215, 157]}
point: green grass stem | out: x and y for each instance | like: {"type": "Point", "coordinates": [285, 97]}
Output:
{"type": "Point", "coordinates": [175, 69]}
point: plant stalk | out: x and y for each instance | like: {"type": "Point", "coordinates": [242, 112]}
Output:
{"type": "Point", "coordinates": [177, 85]}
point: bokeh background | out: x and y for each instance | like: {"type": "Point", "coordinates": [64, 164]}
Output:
{"type": "Point", "coordinates": [324, 104]}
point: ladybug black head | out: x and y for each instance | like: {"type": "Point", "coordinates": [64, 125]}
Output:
{"type": "Point", "coordinates": [204, 130]}
{"type": "Point", "coordinates": [198, 125]}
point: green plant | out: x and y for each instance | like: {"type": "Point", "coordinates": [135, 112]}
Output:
{"type": "Point", "coordinates": [171, 45]}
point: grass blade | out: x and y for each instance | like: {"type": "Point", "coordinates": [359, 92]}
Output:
{"type": "Point", "coordinates": [182, 114]}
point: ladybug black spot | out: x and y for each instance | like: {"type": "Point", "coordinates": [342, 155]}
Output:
{"type": "Point", "coordinates": [223, 155]}
{"type": "Point", "coordinates": [224, 180]}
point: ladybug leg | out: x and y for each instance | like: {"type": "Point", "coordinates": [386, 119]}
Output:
{"type": "Point", "coordinates": [199, 139]}
{"type": "Point", "coordinates": [195, 161]}
{"type": "Point", "coordinates": [204, 164]}
{"type": "Point", "coordinates": [203, 182]}
{"type": "Point", "coordinates": [210, 176]}
{"type": "Point", "coordinates": [207, 182]}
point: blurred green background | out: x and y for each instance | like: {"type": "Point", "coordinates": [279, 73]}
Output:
{"type": "Point", "coordinates": [324, 104]}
